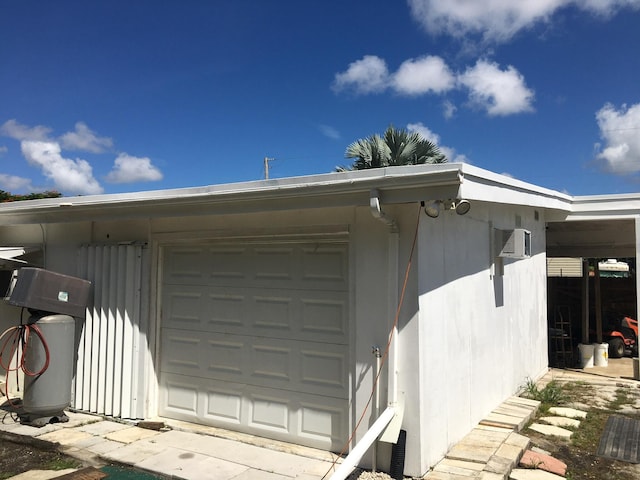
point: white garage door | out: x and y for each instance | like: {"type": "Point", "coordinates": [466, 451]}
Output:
{"type": "Point", "coordinates": [254, 338]}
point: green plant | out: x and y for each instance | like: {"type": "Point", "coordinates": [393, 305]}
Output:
{"type": "Point", "coordinates": [62, 463]}
{"type": "Point", "coordinates": [550, 395]}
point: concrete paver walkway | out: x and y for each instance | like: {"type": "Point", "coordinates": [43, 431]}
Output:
{"type": "Point", "coordinates": [173, 453]}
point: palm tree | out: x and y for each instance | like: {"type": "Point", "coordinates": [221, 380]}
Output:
{"type": "Point", "coordinates": [397, 147]}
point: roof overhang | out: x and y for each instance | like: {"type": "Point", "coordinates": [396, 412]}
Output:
{"type": "Point", "coordinates": [396, 185]}
{"type": "Point", "coordinates": [15, 257]}
{"type": "Point", "coordinates": [598, 226]}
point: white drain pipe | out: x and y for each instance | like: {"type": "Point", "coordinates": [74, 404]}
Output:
{"type": "Point", "coordinates": [353, 459]}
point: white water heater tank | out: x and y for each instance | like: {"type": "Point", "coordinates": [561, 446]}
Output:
{"type": "Point", "coordinates": [48, 394]}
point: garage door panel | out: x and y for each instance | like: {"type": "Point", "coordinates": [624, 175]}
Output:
{"type": "Point", "coordinates": [254, 337]}
{"type": "Point", "coordinates": [318, 266]}
{"type": "Point", "coordinates": [181, 396]}
{"type": "Point", "coordinates": [313, 420]}
{"type": "Point", "coordinates": [318, 422]}
{"type": "Point", "coordinates": [307, 315]}
{"type": "Point", "coordinates": [309, 367]}
{"type": "Point", "coordinates": [185, 350]}
{"type": "Point", "coordinates": [325, 267]}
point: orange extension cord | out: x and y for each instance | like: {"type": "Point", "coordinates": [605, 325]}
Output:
{"type": "Point", "coordinates": [15, 346]}
{"type": "Point", "coordinates": [386, 350]}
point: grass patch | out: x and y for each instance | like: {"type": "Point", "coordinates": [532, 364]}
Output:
{"type": "Point", "coordinates": [579, 453]}
{"type": "Point", "coordinates": [62, 463]}
{"type": "Point", "coordinates": [549, 396]}
{"type": "Point", "coordinates": [578, 392]}
{"type": "Point", "coordinates": [623, 397]}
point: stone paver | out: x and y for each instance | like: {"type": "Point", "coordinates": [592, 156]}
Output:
{"type": "Point", "coordinates": [551, 430]}
{"type": "Point", "coordinates": [189, 465]}
{"type": "Point", "coordinates": [518, 440]}
{"type": "Point", "coordinates": [65, 436]}
{"type": "Point", "coordinates": [459, 467]}
{"type": "Point", "coordinates": [561, 421]}
{"type": "Point", "coordinates": [528, 474]}
{"type": "Point", "coordinates": [103, 427]}
{"type": "Point", "coordinates": [567, 412]}
{"type": "Point", "coordinates": [131, 434]}
{"type": "Point", "coordinates": [42, 474]}
{"type": "Point", "coordinates": [531, 459]}
{"type": "Point", "coordinates": [134, 453]}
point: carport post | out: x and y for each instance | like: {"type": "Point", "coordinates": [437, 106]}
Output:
{"type": "Point", "coordinates": [637, 229]}
{"type": "Point", "coordinates": [598, 300]}
{"type": "Point", "coordinates": [585, 301]}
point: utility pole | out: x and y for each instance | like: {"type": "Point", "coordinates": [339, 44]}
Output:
{"type": "Point", "coordinates": [266, 167]}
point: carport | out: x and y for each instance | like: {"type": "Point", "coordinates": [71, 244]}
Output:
{"type": "Point", "coordinates": [598, 227]}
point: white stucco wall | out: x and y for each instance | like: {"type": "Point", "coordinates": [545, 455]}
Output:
{"type": "Point", "coordinates": [477, 337]}
{"type": "Point", "coordinates": [466, 340]}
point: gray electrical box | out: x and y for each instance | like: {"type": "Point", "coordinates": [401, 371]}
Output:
{"type": "Point", "coordinates": [39, 289]}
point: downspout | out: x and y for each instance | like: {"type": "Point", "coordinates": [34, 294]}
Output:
{"type": "Point", "coordinates": [378, 427]}
{"type": "Point", "coordinates": [369, 438]}
{"type": "Point", "coordinates": [392, 289]}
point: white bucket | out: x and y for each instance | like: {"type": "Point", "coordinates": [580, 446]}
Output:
{"type": "Point", "coordinates": [586, 355]}
{"type": "Point", "coordinates": [601, 354]}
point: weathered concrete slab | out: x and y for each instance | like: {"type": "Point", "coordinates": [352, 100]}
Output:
{"type": "Point", "coordinates": [551, 430]}
{"type": "Point", "coordinates": [524, 401]}
{"type": "Point", "coordinates": [499, 465]}
{"type": "Point", "coordinates": [42, 474]}
{"type": "Point", "coordinates": [131, 434]}
{"type": "Point", "coordinates": [567, 412]}
{"type": "Point", "coordinates": [515, 410]}
{"type": "Point", "coordinates": [65, 437]}
{"type": "Point", "coordinates": [528, 474]}
{"type": "Point", "coordinates": [561, 421]}
{"type": "Point", "coordinates": [471, 453]}
{"type": "Point", "coordinates": [510, 452]}
{"type": "Point", "coordinates": [459, 467]}
{"type": "Point", "coordinates": [491, 476]}
{"type": "Point", "coordinates": [518, 440]}
{"type": "Point", "coordinates": [498, 418]}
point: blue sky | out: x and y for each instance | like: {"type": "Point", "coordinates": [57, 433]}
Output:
{"type": "Point", "coordinates": [107, 97]}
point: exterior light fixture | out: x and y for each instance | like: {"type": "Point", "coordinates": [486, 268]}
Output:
{"type": "Point", "coordinates": [432, 209]}
{"type": "Point", "coordinates": [461, 207]}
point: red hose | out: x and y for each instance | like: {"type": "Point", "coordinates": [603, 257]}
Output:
{"type": "Point", "coordinates": [15, 345]}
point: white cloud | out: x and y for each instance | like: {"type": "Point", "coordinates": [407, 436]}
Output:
{"type": "Point", "coordinates": [367, 75]}
{"type": "Point", "coordinates": [499, 20]}
{"type": "Point", "coordinates": [3, 150]}
{"type": "Point", "coordinates": [129, 169]}
{"type": "Point", "coordinates": [69, 176]}
{"type": "Point", "coordinates": [422, 75]}
{"type": "Point", "coordinates": [12, 183]}
{"type": "Point", "coordinates": [17, 131]}
{"type": "Point", "coordinates": [433, 137]}
{"type": "Point", "coordinates": [329, 132]}
{"type": "Point", "coordinates": [620, 130]}
{"type": "Point", "coordinates": [500, 92]}
{"type": "Point", "coordinates": [84, 139]}
{"type": "Point", "coordinates": [414, 77]}
{"type": "Point", "coordinates": [448, 109]}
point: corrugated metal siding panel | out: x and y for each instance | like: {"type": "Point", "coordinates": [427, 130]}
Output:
{"type": "Point", "coordinates": [564, 267]}
{"type": "Point", "coordinates": [113, 341]}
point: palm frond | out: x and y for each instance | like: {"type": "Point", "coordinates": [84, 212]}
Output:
{"type": "Point", "coordinates": [395, 147]}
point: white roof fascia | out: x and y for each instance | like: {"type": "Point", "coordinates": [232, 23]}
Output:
{"type": "Point", "coordinates": [396, 184]}
{"type": "Point", "coordinates": [486, 186]}
{"type": "Point", "coordinates": [605, 207]}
